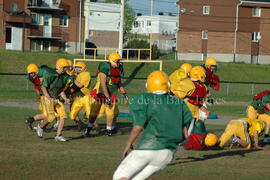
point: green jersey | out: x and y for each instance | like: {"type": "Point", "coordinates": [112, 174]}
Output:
{"type": "Point", "coordinates": [163, 118]}
{"type": "Point", "coordinates": [55, 83]}
{"type": "Point", "coordinates": [113, 77]}
{"type": "Point", "coordinates": [260, 104]}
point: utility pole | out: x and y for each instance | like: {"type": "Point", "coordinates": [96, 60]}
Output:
{"type": "Point", "coordinates": [80, 27]}
{"type": "Point", "coordinates": [121, 27]}
{"type": "Point", "coordinates": [151, 14]}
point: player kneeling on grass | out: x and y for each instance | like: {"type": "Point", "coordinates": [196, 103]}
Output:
{"type": "Point", "coordinates": [82, 96]}
{"type": "Point", "coordinates": [53, 87]}
{"type": "Point", "coordinates": [260, 109]}
{"type": "Point", "coordinates": [241, 132]}
{"type": "Point", "coordinates": [161, 119]}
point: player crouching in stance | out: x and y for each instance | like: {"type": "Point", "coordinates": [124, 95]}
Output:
{"type": "Point", "coordinates": [161, 119]}
{"type": "Point", "coordinates": [241, 131]}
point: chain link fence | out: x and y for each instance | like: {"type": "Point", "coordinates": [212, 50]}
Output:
{"type": "Point", "coordinates": [233, 91]}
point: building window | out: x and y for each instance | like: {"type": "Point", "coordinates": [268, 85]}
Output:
{"type": "Point", "coordinates": [63, 46]}
{"type": "Point", "coordinates": [37, 19]}
{"type": "Point", "coordinates": [136, 24]}
{"type": "Point", "coordinates": [256, 12]}
{"type": "Point", "coordinates": [205, 34]}
{"type": "Point", "coordinates": [148, 23]}
{"type": "Point", "coordinates": [256, 36]}
{"type": "Point", "coordinates": [206, 10]}
{"type": "Point", "coordinates": [40, 45]}
{"type": "Point", "coordinates": [64, 21]}
{"type": "Point", "coordinates": [8, 34]}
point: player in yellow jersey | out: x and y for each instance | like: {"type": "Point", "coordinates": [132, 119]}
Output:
{"type": "Point", "coordinates": [242, 131]}
{"type": "Point", "coordinates": [82, 96]}
{"type": "Point", "coordinates": [178, 75]}
{"type": "Point", "coordinates": [193, 91]}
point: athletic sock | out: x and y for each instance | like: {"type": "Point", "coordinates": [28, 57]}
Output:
{"type": "Point", "coordinates": [31, 119]}
{"type": "Point", "coordinates": [89, 125]}
{"type": "Point", "coordinates": [109, 128]}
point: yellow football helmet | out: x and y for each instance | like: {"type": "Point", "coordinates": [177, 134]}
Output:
{"type": "Point", "coordinates": [32, 68]}
{"type": "Point", "coordinates": [210, 139]}
{"type": "Point", "coordinates": [210, 62]}
{"type": "Point", "coordinates": [157, 81]}
{"type": "Point", "coordinates": [61, 63]}
{"type": "Point", "coordinates": [114, 58]}
{"type": "Point", "coordinates": [81, 65]}
{"type": "Point", "coordinates": [69, 62]}
{"type": "Point", "coordinates": [186, 68]}
{"type": "Point", "coordinates": [197, 73]}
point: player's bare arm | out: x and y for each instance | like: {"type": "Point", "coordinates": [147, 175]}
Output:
{"type": "Point", "coordinates": [63, 95]}
{"type": "Point", "coordinates": [136, 130]}
{"type": "Point", "coordinates": [256, 140]}
{"type": "Point", "coordinates": [103, 85]}
{"type": "Point", "coordinates": [46, 94]}
{"type": "Point", "coordinates": [38, 95]}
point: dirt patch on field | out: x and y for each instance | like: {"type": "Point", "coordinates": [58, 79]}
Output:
{"type": "Point", "coordinates": [35, 105]}
{"type": "Point", "coordinates": [233, 103]}
{"type": "Point", "coordinates": [20, 104]}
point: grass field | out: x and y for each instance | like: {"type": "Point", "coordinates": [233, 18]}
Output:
{"type": "Point", "coordinates": [16, 62]}
{"type": "Point", "coordinates": [25, 156]}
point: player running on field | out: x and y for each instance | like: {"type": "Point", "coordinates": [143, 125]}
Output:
{"type": "Point", "coordinates": [82, 96]}
{"type": "Point", "coordinates": [35, 75]}
{"type": "Point", "coordinates": [53, 87]}
{"type": "Point", "coordinates": [160, 119]}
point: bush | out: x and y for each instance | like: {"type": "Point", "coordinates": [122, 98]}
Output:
{"type": "Point", "coordinates": [141, 44]}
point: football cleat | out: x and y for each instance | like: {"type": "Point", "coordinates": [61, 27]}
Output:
{"type": "Point", "coordinates": [29, 121]}
{"type": "Point", "coordinates": [60, 138]}
{"type": "Point", "coordinates": [87, 131]}
{"type": "Point", "coordinates": [266, 139]}
{"type": "Point", "coordinates": [39, 131]}
{"type": "Point", "coordinates": [55, 125]}
{"type": "Point", "coordinates": [109, 132]}
{"type": "Point", "coordinates": [234, 141]}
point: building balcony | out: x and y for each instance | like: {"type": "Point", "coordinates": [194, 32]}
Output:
{"type": "Point", "coordinates": [44, 5]}
{"type": "Point", "coordinates": [46, 32]}
{"type": "Point", "coordinates": [18, 17]}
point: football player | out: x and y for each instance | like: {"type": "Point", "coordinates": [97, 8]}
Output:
{"type": "Point", "coordinates": [35, 75]}
{"type": "Point", "coordinates": [160, 119]}
{"type": "Point", "coordinates": [53, 87]}
{"type": "Point", "coordinates": [241, 131]}
{"type": "Point", "coordinates": [82, 96]}
{"type": "Point", "coordinates": [260, 109]}
{"type": "Point", "coordinates": [104, 93]}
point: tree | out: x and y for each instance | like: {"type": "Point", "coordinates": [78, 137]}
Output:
{"type": "Point", "coordinates": [141, 44]}
{"type": "Point", "coordinates": [130, 17]}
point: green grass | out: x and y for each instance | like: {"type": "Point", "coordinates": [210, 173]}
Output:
{"type": "Point", "coordinates": [25, 156]}
{"type": "Point", "coordinates": [16, 62]}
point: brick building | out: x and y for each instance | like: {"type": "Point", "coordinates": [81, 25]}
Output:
{"type": "Point", "coordinates": [42, 25]}
{"type": "Point", "coordinates": [231, 30]}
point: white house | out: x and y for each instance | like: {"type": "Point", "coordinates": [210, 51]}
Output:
{"type": "Point", "coordinates": [163, 29]}
{"type": "Point", "coordinates": [103, 24]}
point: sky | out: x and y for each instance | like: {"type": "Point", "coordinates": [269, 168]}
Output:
{"type": "Point", "coordinates": [143, 6]}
